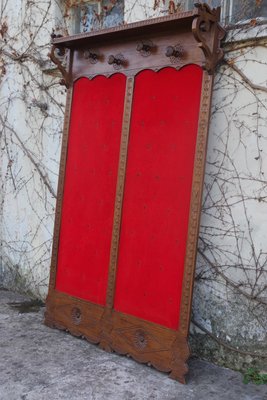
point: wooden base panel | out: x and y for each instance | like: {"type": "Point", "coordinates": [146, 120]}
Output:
{"type": "Point", "coordinates": [146, 342]}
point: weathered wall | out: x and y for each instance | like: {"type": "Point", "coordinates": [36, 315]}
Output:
{"type": "Point", "coordinates": [31, 111]}
{"type": "Point", "coordinates": [230, 292]}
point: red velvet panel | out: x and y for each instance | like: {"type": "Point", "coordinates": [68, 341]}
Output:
{"type": "Point", "coordinates": [157, 194]}
{"type": "Point", "coordinates": [90, 186]}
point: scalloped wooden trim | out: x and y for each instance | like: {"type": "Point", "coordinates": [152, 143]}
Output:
{"type": "Point", "coordinates": [133, 72]}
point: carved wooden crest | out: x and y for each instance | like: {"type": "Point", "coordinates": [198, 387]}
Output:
{"type": "Point", "coordinates": [130, 184]}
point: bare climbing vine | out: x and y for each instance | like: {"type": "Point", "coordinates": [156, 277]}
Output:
{"type": "Point", "coordinates": [232, 256]}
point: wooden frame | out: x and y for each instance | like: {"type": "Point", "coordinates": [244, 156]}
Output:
{"type": "Point", "coordinates": [195, 37]}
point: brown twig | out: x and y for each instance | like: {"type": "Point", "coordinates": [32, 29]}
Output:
{"type": "Point", "coordinates": [229, 281]}
{"type": "Point", "coordinates": [244, 77]}
{"type": "Point", "coordinates": [29, 155]}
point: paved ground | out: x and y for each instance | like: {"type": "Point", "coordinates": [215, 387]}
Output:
{"type": "Point", "coordinates": [38, 363]}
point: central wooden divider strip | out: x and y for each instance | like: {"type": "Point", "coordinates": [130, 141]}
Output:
{"type": "Point", "coordinates": [119, 192]}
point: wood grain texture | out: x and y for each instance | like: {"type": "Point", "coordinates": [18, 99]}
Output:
{"type": "Point", "coordinates": [170, 22]}
{"type": "Point", "coordinates": [148, 343]}
{"type": "Point", "coordinates": [196, 38]}
{"type": "Point", "coordinates": [119, 192]}
{"type": "Point", "coordinates": [134, 61]}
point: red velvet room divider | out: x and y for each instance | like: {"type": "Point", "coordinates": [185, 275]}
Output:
{"type": "Point", "coordinates": [130, 184]}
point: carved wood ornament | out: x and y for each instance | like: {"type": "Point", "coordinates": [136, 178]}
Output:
{"type": "Point", "coordinates": [130, 184]}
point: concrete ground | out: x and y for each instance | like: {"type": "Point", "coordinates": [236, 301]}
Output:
{"type": "Point", "coordinates": [37, 363]}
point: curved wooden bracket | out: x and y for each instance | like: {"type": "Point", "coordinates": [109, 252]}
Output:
{"type": "Point", "coordinates": [53, 57]}
{"type": "Point", "coordinates": [208, 32]}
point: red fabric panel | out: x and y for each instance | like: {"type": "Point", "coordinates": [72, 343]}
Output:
{"type": "Point", "coordinates": [157, 194]}
{"type": "Point", "coordinates": [90, 186]}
